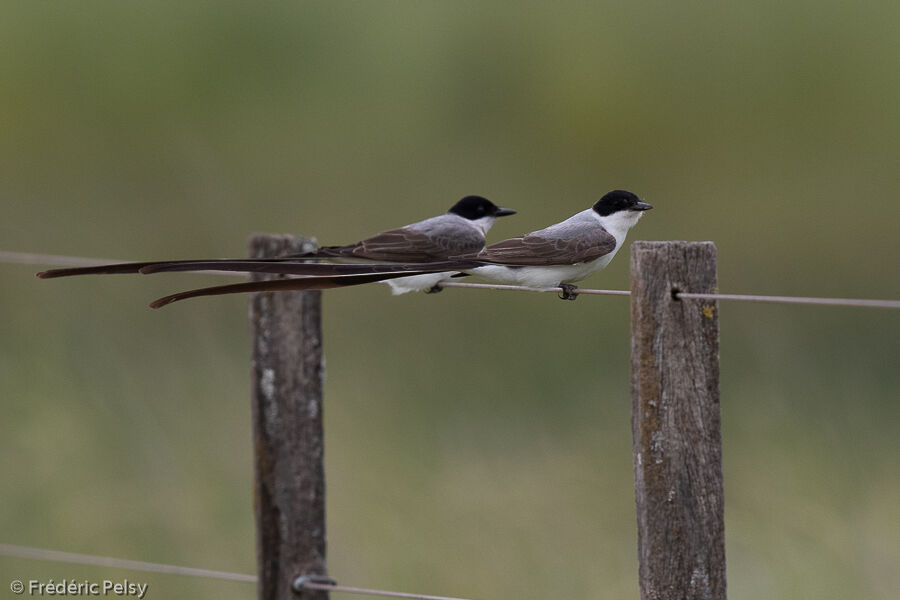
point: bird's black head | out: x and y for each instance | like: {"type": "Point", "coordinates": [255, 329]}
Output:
{"type": "Point", "coordinates": [617, 200]}
{"type": "Point", "coordinates": [476, 207]}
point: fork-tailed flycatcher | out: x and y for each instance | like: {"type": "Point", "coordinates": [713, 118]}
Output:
{"type": "Point", "coordinates": [458, 233]}
{"type": "Point", "coordinates": [566, 252]}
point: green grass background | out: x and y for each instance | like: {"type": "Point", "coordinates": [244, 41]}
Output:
{"type": "Point", "coordinates": [478, 443]}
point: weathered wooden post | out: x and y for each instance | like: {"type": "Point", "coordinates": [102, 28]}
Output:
{"type": "Point", "coordinates": [675, 422]}
{"type": "Point", "coordinates": [289, 486]}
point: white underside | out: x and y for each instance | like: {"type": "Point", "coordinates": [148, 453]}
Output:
{"type": "Point", "coordinates": [551, 276]}
{"type": "Point", "coordinates": [541, 277]}
{"type": "Point", "coordinates": [422, 283]}
{"type": "Point", "coordinates": [417, 283]}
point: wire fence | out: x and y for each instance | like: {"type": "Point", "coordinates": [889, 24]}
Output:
{"type": "Point", "coordinates": [118, 563]}
{"type": "Point", "coordinates": [53, 260]}
{"type": "Point", "coordinates": [311, 583]}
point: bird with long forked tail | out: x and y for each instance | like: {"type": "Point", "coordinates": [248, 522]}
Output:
{"type": "Point", "coordinates": [458, 233]}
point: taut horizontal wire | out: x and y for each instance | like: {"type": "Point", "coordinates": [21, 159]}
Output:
{"type": "Point", "coordinates": [795, 300]}
{"type": "Point", "coordinates": [118, 563]}
{"type": "Point", "coordinates": [138, 565]}
{"type": "Point", "coordinates": [327, 587]}
{"type": "Point", "coordinates": [54, 260]}
{"type": "Point", "coordinates": [51, 260]}
{"type": "Point", "coordinates": [523, 288]}
{"type": "Point", "coordinates": [690, 295]}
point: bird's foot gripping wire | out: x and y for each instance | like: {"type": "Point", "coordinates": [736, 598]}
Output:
{"type": "Point", "coordinates": [568, 291]}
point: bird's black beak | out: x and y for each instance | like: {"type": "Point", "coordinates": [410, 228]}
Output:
{"type": "Point", "coordinates": [641, 206]}
{"type": "Point", "coordinates": [504, 212]}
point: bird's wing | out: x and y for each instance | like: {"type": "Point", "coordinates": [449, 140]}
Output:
{"type": "Point", "coordinates": [411, 245]}
{"type": "Point", "coordinates": [540, 249]}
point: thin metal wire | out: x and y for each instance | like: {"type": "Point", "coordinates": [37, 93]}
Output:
{"type": "Point", "coordinates": [327, 587]}
{"type": "Point", "coordinates": [523, 288]}
{"type": "Point", "coordinates": [51, 260]}
{"type": "Point", "coordinates": [55, 260]}
{"type": "Point", "coordinates": [118, 563]}
{"type": "Point", "coordinates": [30, 552]}
{"type": "Point", "coordinates": [795, 300]}
{"type": "Point", "coordinates": [27, 258]}
{"type": "Point", "coordinates": [690, 295]}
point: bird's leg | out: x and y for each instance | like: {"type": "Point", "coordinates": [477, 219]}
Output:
{"type": "Point", "coordinates": [568, 291]}
{"type": "Point", "coordinates": [435, 289]}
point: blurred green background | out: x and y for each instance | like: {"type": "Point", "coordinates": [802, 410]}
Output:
{"type": "Point", "coordinates": [478, 443]}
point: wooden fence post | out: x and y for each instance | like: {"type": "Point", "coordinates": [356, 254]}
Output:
{"type": "Point", "coordinates": [289, 476]}
{"type": "Point", "coordinates": [675, 422]}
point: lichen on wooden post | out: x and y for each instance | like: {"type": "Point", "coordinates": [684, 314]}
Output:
{"type": "Point", "coordinates": [676, 423]}
{"type": "Point", "coordinates": [289, 477]}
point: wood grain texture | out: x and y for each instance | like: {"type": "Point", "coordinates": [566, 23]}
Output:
{"type": "Point", "coordinates": [289, 482]}
{"type": "Point", "coordinates": [676, 423]}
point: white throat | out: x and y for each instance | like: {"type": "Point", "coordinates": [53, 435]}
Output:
{"type": "Point", "coordinates": [619, 222]}
{"type": "Point", "coordinates": [484, 223]}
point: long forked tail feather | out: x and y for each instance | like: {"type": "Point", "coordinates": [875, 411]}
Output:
{"type": "Point", "coordinates": [307, 283]}
{"type": "Point", "coordinates": [289, 267]}
{"type": "Point", "coordinates": [164, 265]}
{"type": "Point", "coordinates": [107, 269]}
{"type": "Point", "coordinates": [285, 266]}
